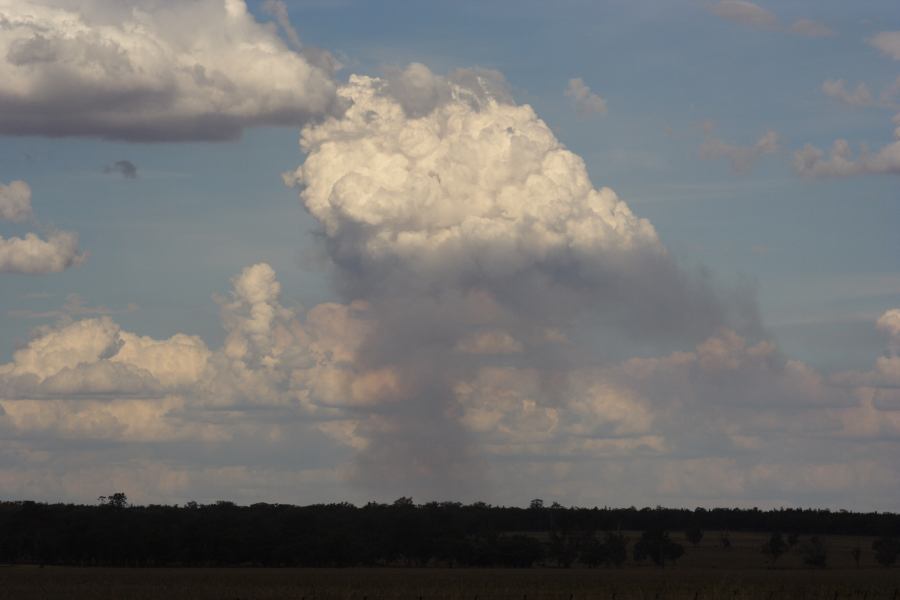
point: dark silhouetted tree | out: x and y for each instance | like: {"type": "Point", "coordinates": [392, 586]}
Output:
{"type": "Point", "coordinates": [774, 547]}
{"type": "Point", "coordinates": [616, 548]}
{"type": "Point", "coordinates": [886, 550]}
{"type": "Point", "coordinates": [725, 540]}
{"type": "Point", "coordinates": [856, 553]}
{"type": "Point", "coordinates": [814, 552]}
{"type": "Point", "coordinates": [694, 534]}
{"type": "Point", "coordinates": [656, 545]}
{"type": "Point", "coordinates": [117, 500]}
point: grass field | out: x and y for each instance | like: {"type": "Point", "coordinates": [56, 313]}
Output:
{"type": "Point", "coordinates": [706, 572]}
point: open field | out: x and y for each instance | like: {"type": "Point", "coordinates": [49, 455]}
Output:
{"type": "Point", "coordinates": [706, 571]}
{"type": "Point", "coordinates": [637, 583]}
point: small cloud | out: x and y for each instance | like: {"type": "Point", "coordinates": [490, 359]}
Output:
{"type": "Point", "coordinates": [812, 161]}
{"type": "Point", "coordinates": [278, 9]}
{"type": "Point", "coordinates": [125, 168]}
{"type": "Point", "coordinates": [586, 101]}
{"type": "Point", "coordinates": [754, 16]}
{"type": "Point", "coordinates": [15, 201]}
{"type": "Point", "coordinates": [809, 28]}
{"type": "Point", "coordinates": [745, 13]}
{"type": "Point", "coordinates": [836, 88]}
{"type": "Point", "coordinates": [888, 42]}
{"type": "Point", "coordinates": [742, 158]}
{"type": "Point", "coordinates": [73, 307]}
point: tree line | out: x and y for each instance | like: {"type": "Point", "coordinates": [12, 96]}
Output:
{"type": "Point", "coordinates": [113, 532]}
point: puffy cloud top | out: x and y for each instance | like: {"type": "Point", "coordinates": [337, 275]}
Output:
{"type": "Point", "coordinates": [143, 70]}
{"type": "Point", "coordinates": [890, 323]}
{"type": "Point", "coordinates": [15, 201]}
{"type": "Point", "coordinates": [472, 184]}
{"type": "Point", "coordinates": [35, 256]}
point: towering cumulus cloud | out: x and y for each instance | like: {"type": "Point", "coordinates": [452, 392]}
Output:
{"type": "Point", "coordinates": [149, 70]}
{"type": "Point", "coordinates": [475, 236]}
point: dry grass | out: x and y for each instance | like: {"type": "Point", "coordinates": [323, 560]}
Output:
{"type": "Point", "coordinates": [706, 572]}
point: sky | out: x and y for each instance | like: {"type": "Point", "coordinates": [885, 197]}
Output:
{"type": "Point", "coordinates": [601, 253]}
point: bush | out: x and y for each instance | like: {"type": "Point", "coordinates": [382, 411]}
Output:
{"type": "Point", "coordinates": [656, 545]}
{"type": "Point", "coordinates": [775, 547]}
{"type": "Point", "coordinates": [814, 552]}
{"type": "Point", "coordinates": [886, 550]}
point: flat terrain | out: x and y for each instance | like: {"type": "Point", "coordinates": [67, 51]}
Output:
{"type": "Point", "coordinates": [51, 583]}
{"type": "Point", "coordinates": [706, 572]}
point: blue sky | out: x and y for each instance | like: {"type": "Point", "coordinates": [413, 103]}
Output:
{"type": "Point", "coordinates": [820, 253]}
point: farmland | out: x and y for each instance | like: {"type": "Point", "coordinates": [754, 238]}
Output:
{"type": "Point", "coordinates": [705, 571]}
{"type": "Point", "coordinates": [72, 583]}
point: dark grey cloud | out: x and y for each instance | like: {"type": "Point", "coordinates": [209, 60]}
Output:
{"type": "Point", "coordinates": [125, 168]}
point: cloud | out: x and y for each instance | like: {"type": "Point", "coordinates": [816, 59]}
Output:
{"type": "Point", "coordinates": [860, 96]}
{"type": "Point", "coordinates": [809, 28]}
{"type": "Point", "coordinates": [125, 168]}
{"type": "Point", "coordinates": [586, 101]}
{"type": "Point", "coordinates": [754, 16]}
{"type": "Point", "coordinates": [31, 254]}
{"type": "Point", "coordinates": [74, 306]}
{"type": "Point", "coordinates": [470, 231]}
{"type": "Point", "coordinates": [15, 201]}
{"type": "Point", "coordinates": [35, 256]}
{"type": "Point", "coordinates": [811, 161]}
{"type": "Point", "coordinates": [278, 9]}
{"type": "Point", "coordinates": [888, 42]}
{"type": "Point", "coordinates": [889, 322]}
{"type": "Point", "coordinates": [201, 70]}
{"type": "Point", "coordinates": [745, 13]}
{"type": "Point", "coordinates": [728, 417]}
{"type": "Point", "coordinates": [742, 158]}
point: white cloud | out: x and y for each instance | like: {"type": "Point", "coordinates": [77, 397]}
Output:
{"type": "Point", "coordinates": [15, 201]}
{"type": "Point", "coordinates": [742, 158]}
{"type": "Point", "coordinates": [586, 101]}
{"type": "Point", "coordinates": [730, 408]}
{"type": "Point", "coordinates": [476, 184]}
{"type": "Point", "coordinates": [745, 13]}
{"type": "Point", "coordinates": [33, 255]}
{"type": "Point", "coordinates": [811, 161]}
{"type": "Point", "coordinates": [754, 16]}
{"type": "Point", "coordinates": [890, 323]}
{"type": "Point", "coordinates": [888, 42]}
{"type": "Point", "coordinates": [809, 28]}
{"type": "Point", "coordinates": [859, 96]}
{"type": "Point", "coordinates": [200, 70]}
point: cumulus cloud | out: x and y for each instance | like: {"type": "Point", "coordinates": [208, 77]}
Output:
{"type": "Point", "coordinates": [586, 101]}
{"type": "Point", "coordinates": [811, 161]}
{"type": "Point", "coordinates": [35, 256]}
{"type": "Point", "coordinates": [730, 416]}
{"type": "Point", "coordinates": [889, 322]}
{"type": "Point", "coordinates": [278, 9]}
{"type": "Point", "coordinates": [745, 13]}
{"type": "Point", "coordinates": [810, 28]}
{"type": "Point", "coordinates": [840, 161]}
{"type": "Point", "coordinates": [31, 254]}
{"type": "Point", "coordinates": [174, 71]}
{"type": "Point", "coordinates": [15, 201]}
{"type": "Point", "coordinates": [471, 231]}
{"type": "Point", "coordinates": [125, 168]}
{"type": "Point", "coordinates": [491, 298]}
{"type": "Point", "coordinates": [754, 16]}
{"type": "Point", "coordinates": [888, 42]}
{"type": "Point", "coordinates": [859, 96]}
{"type": "Point", "coordinates": [742, 158]}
